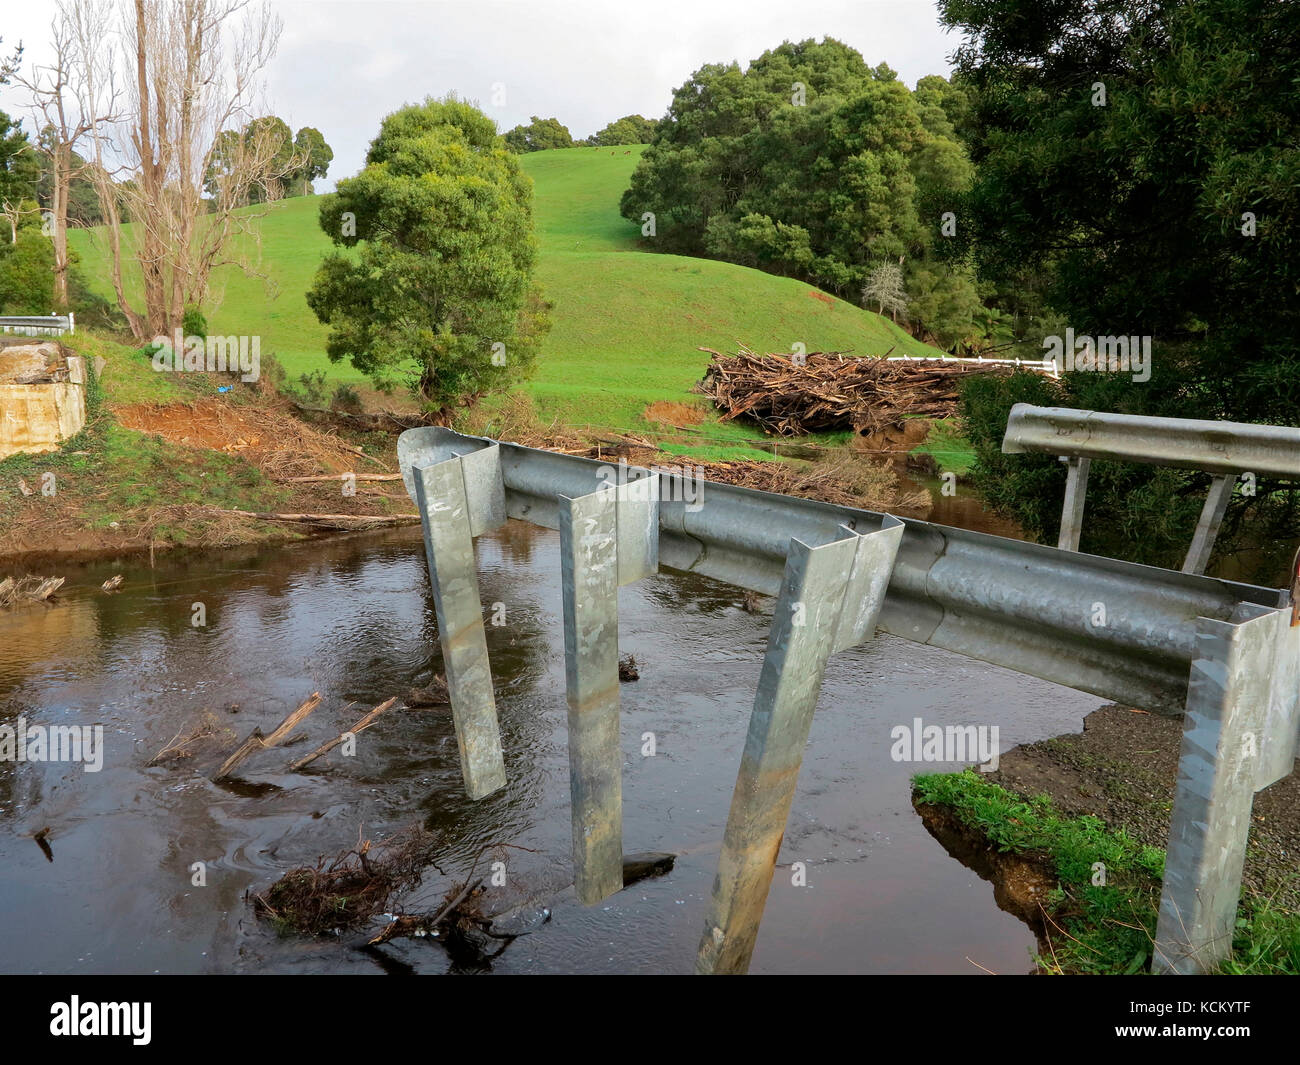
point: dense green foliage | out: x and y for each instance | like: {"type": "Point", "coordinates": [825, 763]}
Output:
{"type": "Point", "coordinates": [1138, 175]}
{"type": "Point", "coordinates": [539, 135]}
{"type": "Point", "coordinates": [20, 167]}
{"type": "Point", "coordinates": [811, 164]}
{"type": "Point", "coordinates": [630, 129]}
{"type": "Point", "coordinates": [442, 220]}
{"type": "Point", "coordinates": [26, 266]}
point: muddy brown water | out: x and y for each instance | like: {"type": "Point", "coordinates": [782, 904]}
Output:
{"type": "Point", "coordinates": [353, 619]}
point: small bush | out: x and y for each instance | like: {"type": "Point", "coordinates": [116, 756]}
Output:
{"type": "Point", "coordinates": [313, 386]}
{"type": "Point", "coordinates": [346, 398]}
{"type": "Point", "coordinates": [194, 324]}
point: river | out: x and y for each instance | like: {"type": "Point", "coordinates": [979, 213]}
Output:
{"type": "Point", "coordinates": [352, 618]}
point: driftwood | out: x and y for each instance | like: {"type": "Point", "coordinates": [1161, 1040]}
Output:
{"type": "Point", "coordinates": [645, 864]}
{"type": "Point", "coordinates": [360, 726]}
{"type": "Point", "coordinates": [830, 390]}
{"type": "Point", "coordinates": [436, 694]}
{"type": "Point", "coordinates": [343, 477]}
{"type": "Point", "coordinates": [347, 522]}
{"type": "Point", "coordinates": [413, 924]}
{"type": "Point", "coordinates": [28, 589]}
{"type": "Point", "coordinates": [258, 742]}
{"type": "Point", "coordinates": [351, 889]}
{"type": "Point", "coordinates": [184, 744]}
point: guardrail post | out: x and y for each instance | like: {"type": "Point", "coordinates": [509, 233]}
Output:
{"type": "Point", "coordinates": [460, 498]}
{"type": "Point", "coordinates": [1207, 528]}
{"type": "Point", "coordinates": [830, 599]}
{"type": "Point", "coordinates": [1239, 736]}
{"type": "Point", "coordinates": [1076, 488]}
{"type": "Point", "coordinates": [607, 539]}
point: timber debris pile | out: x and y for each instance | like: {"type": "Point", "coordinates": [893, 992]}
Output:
{"type": "Point", "coordinates": [831, 390]}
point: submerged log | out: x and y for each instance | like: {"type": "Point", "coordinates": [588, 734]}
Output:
{"type": "Point", "coordinates": [645, 864]}
{"type": "Point", "coordinates": [436, 694]}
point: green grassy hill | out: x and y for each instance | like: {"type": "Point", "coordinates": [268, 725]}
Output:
{"type": "Point", "coordinates": [271, 306]}
{"type": "Point", "coordinates": [627, 323]}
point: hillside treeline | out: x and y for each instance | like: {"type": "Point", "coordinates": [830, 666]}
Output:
{"type": "Point", "coordinates": [812, 164]}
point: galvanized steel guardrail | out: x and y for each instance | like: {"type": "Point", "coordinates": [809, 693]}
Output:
{"type": "Point", "coordinates": [38, 325]}
{"type": "Point", "coordinates": [1026, 607]}
{"type": "Point", "coordinates": [1214, 447]}
{"type": "Point", "coordinates": [1227, 450]}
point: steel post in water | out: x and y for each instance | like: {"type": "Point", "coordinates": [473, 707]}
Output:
{"type": "Point", "coordinates": [1076, 489]}
{"type": "Point", "coordinates": [607, 538]}
{"type": "Point", "coordinates": [830, 599]}
{"type": "Point", "coordinates": [457, 500]}
{"type": "Point", "coordinates": [1227, 754]}
{"type": "Point", "coordinates": [1207, 528]}
{"type": "Point", "coordinates": [1018, 605]}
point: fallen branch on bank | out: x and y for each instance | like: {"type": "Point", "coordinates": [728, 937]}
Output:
{"type": "Point", "coordinates": [344, 477]}
{"type": "Point", "coordinates": [345, 522]}
{"type": "Point", "coordinates": [360, 726]}
{"type": "Point", "coordinates": [258, 742]}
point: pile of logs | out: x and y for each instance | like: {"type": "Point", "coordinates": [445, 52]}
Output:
{"type": "Point", "coordinates": [831, 390]}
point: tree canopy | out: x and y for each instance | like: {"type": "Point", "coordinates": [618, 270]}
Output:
{"type": "Point", "coordinates": [538, 135]}
{"type": "Point", "coordinates": [293, 161]}
{"type": "Point", "coordinates": [630, 129]}
{"type": "Point", "coordinates": [439, 287]}
{"type": "Point", "coordinates": [20, 167]}
{"type": "Point", "coordinates": [812, 164]}
{"type": "Point", "coordinates": [1138, 170]}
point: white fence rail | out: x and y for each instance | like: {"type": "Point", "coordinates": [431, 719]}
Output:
{"type": "Point", "coordinates": [1047, 366]}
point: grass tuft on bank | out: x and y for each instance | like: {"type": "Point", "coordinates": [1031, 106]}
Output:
{"type": "Point", "coordinates": [1100, 928]}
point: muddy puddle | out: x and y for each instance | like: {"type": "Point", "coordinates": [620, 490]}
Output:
{"type": "Point", "coordinates": [109, 888]}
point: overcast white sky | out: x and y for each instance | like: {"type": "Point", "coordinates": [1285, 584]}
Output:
{"type": "Point", "coordinates": [343, 64]}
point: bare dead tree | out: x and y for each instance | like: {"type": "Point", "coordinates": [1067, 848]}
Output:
{"type": "Point", "coordinates": [13, 214]}
{"type": "Point", "coordinates": [64, 112]}
{"type": "Point", "coordinates": [100, 53]}
{"type": "Point", "coordinates": [196, 70]}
